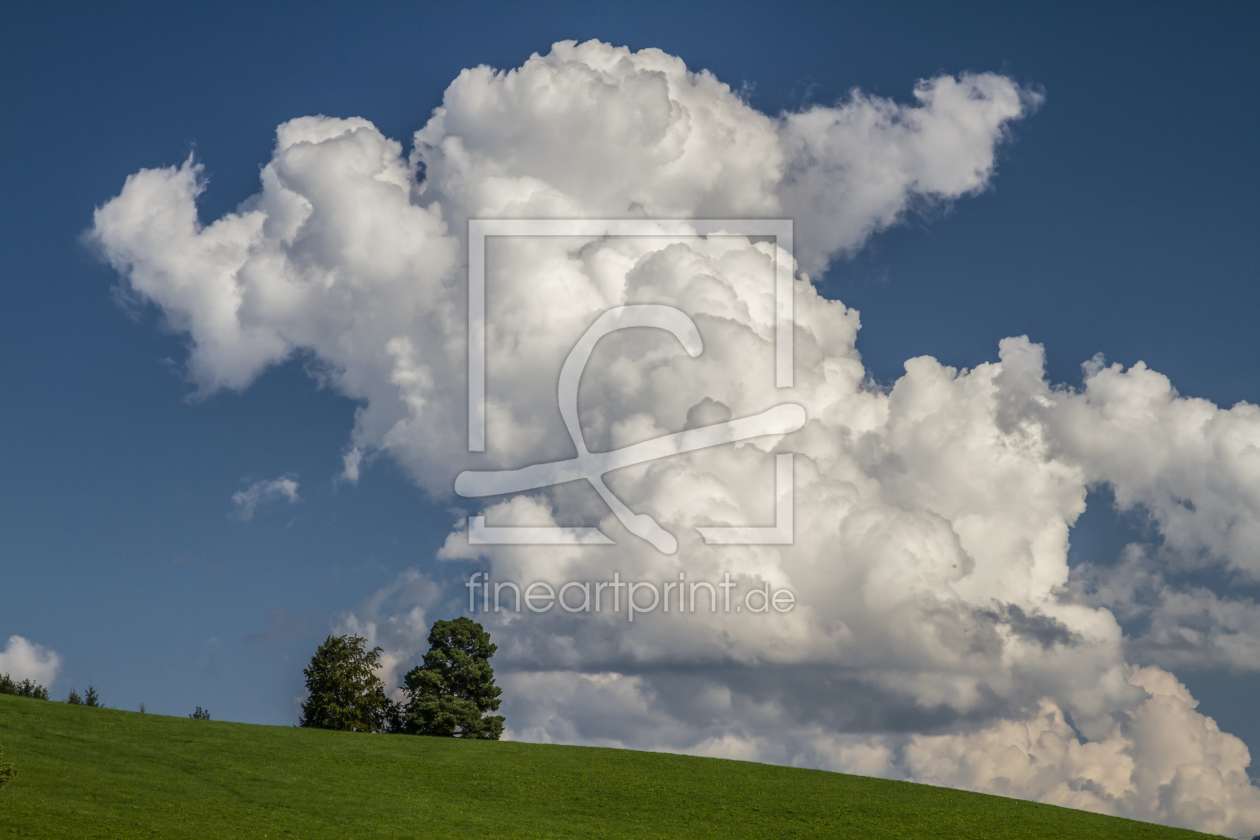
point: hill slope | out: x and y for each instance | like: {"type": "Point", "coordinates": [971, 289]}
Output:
{"type": "Point", "coordinates": [87, 773]}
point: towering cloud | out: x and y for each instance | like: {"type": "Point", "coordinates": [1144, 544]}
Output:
{"type": "Point", "coordinates": [938, 634]}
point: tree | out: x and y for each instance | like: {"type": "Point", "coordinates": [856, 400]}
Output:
{"type": "Point", "coordinates": [91, 698]}
{"type": "Point", "coordinates": [452, 693]}
{"type": "Point", "coordinates": [200, 714]}
{"type": "Point", "coordinates": [345, 693]}
{"type": "Point", "coordinates": [6, 771]}
{"type": "Point", "coordinates": [25, 688]}
{"type": "Point", "coordinates": [74, 699]}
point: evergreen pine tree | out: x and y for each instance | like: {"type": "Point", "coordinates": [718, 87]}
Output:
{"type": "Point", "coordinates": [74, 699]}
{"type": "Point", "coordinates": [452, 693]}
{"type": "Point", "coordinates": [91, 698]}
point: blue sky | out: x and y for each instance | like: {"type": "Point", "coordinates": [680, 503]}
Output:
{"type": "Point", "coordinates": [1122, 221]}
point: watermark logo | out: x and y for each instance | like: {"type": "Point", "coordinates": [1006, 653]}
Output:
{"type": "Point", "coordinates": [578, 596]}
{"type": "Point", "coordinates": [591, 466]}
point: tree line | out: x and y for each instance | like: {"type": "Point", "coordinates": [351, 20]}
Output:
{"type": "Point", "coordinates": [451, 693]}
{"type": "Point", "coordinates": [90, 698]}
{"type": "Point", "coordinates": [32, 689]}
{"type": "Point", "coordinates": [25, 688]}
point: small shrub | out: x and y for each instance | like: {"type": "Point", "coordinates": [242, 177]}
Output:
{"type": "Point", "coordinates": [200, 714]}
{"type": "Point", "coordinates": [6, 772]}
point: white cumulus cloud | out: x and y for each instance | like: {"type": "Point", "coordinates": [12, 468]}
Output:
{"type": "Point", "coordinates": [1162, 761]}
{"type": "Point", "coordinates": [938, 634]}
{"type": "Point", "coordinates": [23, 659]}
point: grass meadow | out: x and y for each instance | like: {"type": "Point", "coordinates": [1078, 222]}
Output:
{"type": "Point", "coordinates": [102, 773]}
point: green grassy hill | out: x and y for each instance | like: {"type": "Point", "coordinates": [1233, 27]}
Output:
{"type": "Point", "coordinates": [86, 773]}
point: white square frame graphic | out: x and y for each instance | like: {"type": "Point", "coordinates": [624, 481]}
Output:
{"type": "Point", "coordinates": [478, 229]}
